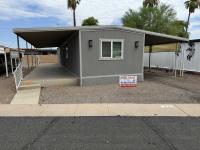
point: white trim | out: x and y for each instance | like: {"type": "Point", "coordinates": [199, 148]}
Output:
{"type": "Point", "coordinates": [104, 76]}
{"type": "Point", "coordinates": [80, 55]}
{"type": "Point", "coordinates": [111, 41]}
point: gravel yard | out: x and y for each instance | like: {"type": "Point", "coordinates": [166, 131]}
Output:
{"type": "Point", "coordinates": [157, 88]}
{"type": "Point", "coordinates": [7, 89]}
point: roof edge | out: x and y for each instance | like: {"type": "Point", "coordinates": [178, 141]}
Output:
{"type": "Point", "coordinates": [43, 29]}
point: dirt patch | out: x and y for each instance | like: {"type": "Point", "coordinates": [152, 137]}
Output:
{"type": "Point", "coordinates": [155, 89]}
{"type": "Point", "coordinates": [7, 89]}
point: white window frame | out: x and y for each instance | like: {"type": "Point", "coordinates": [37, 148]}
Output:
{"type": "Point", "coordinates": [112, 40]}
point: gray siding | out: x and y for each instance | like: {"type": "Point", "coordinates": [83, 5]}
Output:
{"type": "Point", "coordinates": [72, 62]}
{"type": "Point", "coordinates": [62, 55]}
{"type": "Point", "coordinates": [92, 66]}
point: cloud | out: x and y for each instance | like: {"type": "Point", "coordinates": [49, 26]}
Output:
{"type": "Point", "coordinates": [106, 11]}
{"type": "Point", "coordinates": [19, 9]}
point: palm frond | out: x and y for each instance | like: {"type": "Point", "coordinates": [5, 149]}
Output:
{"type": "Point", "coordinates": [72, 4]}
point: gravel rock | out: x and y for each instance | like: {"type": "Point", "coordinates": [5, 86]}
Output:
{"type": "Point", "coordinates": [157, 88]}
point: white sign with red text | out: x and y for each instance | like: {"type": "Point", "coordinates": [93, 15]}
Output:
{"type": "Point", "coordinates": [128, 81]}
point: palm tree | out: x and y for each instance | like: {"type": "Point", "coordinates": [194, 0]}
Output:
{"type": "Point", "coordinates": [72, 4]}
{"type": "Point", "coordinates": [150, 3]}
{"type": "Point", "coordinates": [191, 5]}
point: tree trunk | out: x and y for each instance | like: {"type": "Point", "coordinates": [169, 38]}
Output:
{"type": "Point", "coordinates": [188, 21]}
{"type": "Point", "coordinates": [74, 17]}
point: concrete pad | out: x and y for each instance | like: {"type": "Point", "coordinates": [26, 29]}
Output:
{"type": "Point", "coordinates": [56, 82]}
{"type": "Point", "coordinates": [38, 110]}
{"type": "Point", "coordinates": [76, 110]}
{"type": "Point", "coordinates": [190, 109]}
{"type": "Point", "coordinates": [20, 110]}
{"type": "Point", "coordinates": [49, 71]}
{"type": "Point", "coordinates": [51, 75]}
{"type": "Point", "coordinates": [30, 96]}
{"type": "Point", "coordinates": [92, 110]}
{"type": "Point", "coordinates": [27, 82]}
{"type": "Point", "coordinates": [31, 86]}
{"type": "Point", "coordinates": [144, 110]}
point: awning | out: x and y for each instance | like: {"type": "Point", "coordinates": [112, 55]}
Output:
{"type": "Point", "coordinates": [45, 38]}
{"type": "Point", "coordinates": [54, 37]}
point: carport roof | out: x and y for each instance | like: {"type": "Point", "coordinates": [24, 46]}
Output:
{"type": "Point", "coordinates": [195, 40]}
{"type": "Point", "coordinates": [56, 36]}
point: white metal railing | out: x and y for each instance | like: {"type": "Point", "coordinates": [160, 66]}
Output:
{"type": "Point", "coordinates": [18, 75]}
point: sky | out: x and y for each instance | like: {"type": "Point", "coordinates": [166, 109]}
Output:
{"type": "Point", "coordinates": [54, 13]}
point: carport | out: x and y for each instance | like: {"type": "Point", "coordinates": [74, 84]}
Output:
{"type": "Point", "coordinates": [62, 36]}
{"type": "Point", "coordinates": [50, 75]}
{"type": "Point", "coordinates": [47, 74]}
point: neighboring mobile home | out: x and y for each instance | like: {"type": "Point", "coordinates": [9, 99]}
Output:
{"type": "Point", "coordinates": [9, 59]}
{"type": "Point", "coordinates": [98, 54]}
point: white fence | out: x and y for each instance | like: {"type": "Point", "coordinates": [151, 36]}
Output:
{"type": "Point", "coordinates": [18, 75]}
{"type": "Point", "coordinates": [160, 60]}
{"type": "Point", "coordinates": [169, 60]}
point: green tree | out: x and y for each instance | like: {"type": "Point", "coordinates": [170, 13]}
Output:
{"type": "Point", "coordinates": [178, 28]}
{"type": "Point", "coordinates": [91, 21]}
{"type": "Point", "coordinates": [191, 5]}
{"type": "Point", "coordinates": [150, 3]}
{"type": "Point", "coordinates": [72, 4]}
{"type": "Point", "coordinates": [161, 18]}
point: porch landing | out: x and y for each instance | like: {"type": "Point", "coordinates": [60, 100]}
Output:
{"type": "Point", "coordinates": [50, 75]}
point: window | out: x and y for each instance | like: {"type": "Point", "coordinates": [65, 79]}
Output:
{"type": "Point", "coordinates": [106, 49]}
{"type": "Point", "coordinates": [111, 49]}
{"type": "Point", "coordinates": [117, 49]}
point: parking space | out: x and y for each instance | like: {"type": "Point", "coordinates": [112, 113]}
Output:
{"type": "Point", "coordinates": [51, 74]}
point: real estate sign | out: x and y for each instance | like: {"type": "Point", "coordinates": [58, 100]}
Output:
{"type": "Point", "coordinates": [128, 81]}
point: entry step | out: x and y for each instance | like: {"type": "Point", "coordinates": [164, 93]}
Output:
{"type": "Point", "coordinates": [29, 86]}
